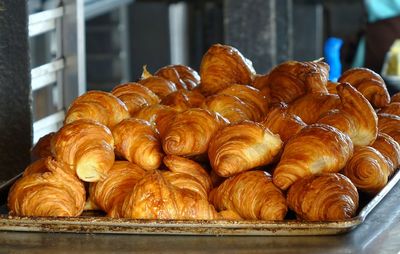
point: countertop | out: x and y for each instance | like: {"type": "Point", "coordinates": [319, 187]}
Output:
{"type": "Point", "coordinates": [379, 233]}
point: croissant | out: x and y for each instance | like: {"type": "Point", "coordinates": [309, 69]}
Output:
{"type": "Point", "coordinates": [392, 108]}
{"type": "Point", "coordinates": [317, 148]}
{"type": "Point", "coordinates": [158, 85]}
{"type": "Point", "coordinates": [154, 197]}
{"type": "Point", "coordinates": [188, 133]}
{"type": "Point", "coordinates": [38, 166]}
{"type": "Point", "coordinates": [183, 76]}
{"type": "Point", "coordinates": [368, 170]}
{"type": "Point", "coordinates": [389, 124]}
{"type": "Point", "coordinates": [223, 66]}
{"type": "Point", "coordinates": [389, 148]}
{"type": "Point", "coordinates": [312, 106]}
{"type": "Point", "coordinates": [355, 117]}
{"type": "Point", "coordinates": [182, 100]}
{"type": "Point", "coordinates": [261, 83]}
{"type": "Point", "coordinates": [290, 80]}
{"type": "Point", "coordinates": [97, 106]}
{"type": "Point", "coordinates": [395, 97]}
{"type": "Point", "coordinates": [109, 193]}
{"type": "Point", "coordinates": [369, 83]}
{"type": "Point", "coordinates": [154, 113]}
{"type": "Point", "coordinates": [325, 197]}
{"type": "Point", "coordinates": [42, 148]}
{"type": "Point", "coordinates": [52, 192]}
{"type": "Point", "coordinates": [252, 195]}
{"type": "Point", "coordinates": [87, 147]}
{"type": "Point", "coordinates": [229, 107]}
{"type": "Point", "coordinates": [241, 147]}
{"type": "Point", "coordinates": [135, 96]}
{"type": "Point", "coordinates": [331, 86]}
{"type": "Point", "coordinates": [138, 141]}
{"type": "Point", "coordinates": [281, 122]}
{"type": "Point", "coordinates": [250, 96]}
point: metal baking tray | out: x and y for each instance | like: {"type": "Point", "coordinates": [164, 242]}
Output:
{"type": "Point", "coordinates": [91, 223]}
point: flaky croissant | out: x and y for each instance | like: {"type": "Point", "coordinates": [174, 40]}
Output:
{"type": "Point", "coordinates": [42, 148]}
{"type": "Point", "coordinates": [138, 141]}
{"type": "Point", "coordinates": [97, 106]}
{"type": "Point", "coordinates": [280, 121]}
{"type": "Point", "coordinates": [87, 147]}
{"type": "Point", "coordinates": [154, 113]}
{"type": "Point", "coordinates": [135, 96]}
{"type": "Point", "coordinates": [109, 193]}
{"type": "Point", "coordinates": [392, 108]}
{"type": "Point", "coordinates": [316, 149]}
{"type": "Point", "coordinates": [389, 124]}
{"type": "Point", "coordinates": [158, 85]}
{"type": "Point", "coordinates": [251, 97]}
{"type": "Point", "coordinates": [183, 76]}
{"type": "Point", "coordinates": [290, 80]}
{"type": "Point", "coordinates": [312, 106]}
{"type": "Point", "coordinates": [355, 116]}
{"type": "Point", "coordinates": [325, 197]}
{"type": "Point", "coordinates": [188, 133]}
{"type": "Point", "coordinates": [52, 192]}
{"type": "Point", "coordinates": [154, 197]}
{"type": "Point", "coordinates": [389, 148]}
{"type": "Point", "coordinates": [223, 66]}
{"type": "Point", "coordinates": [241, 147]}
{"type": "Point", "coordinates": [368, 170]}
{"type": "Point", "coordinates": [252, 195]}
{"type": "Point", "coordinates": [261, 83]}
{"type": "Point", "coordinates": [395, 97]}
{"type": "Point", "coordinates": [369, 83]}
{"type": "Point", "coordinates": [331, 86]}
{"type": "Point", "coordinates": [182, 100]}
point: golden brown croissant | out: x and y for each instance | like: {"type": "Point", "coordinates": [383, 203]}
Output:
{"type": "Point", "coordinates": [138, 141]}
{"type": "Point", "coordinates": [392, 108]}
{"type": "Point", "coordinates": [355, 117]}
{"type": "Point", "coordinates": [241, 147]}
{"type": "Point", "coordinates": [252, 195]}
{"type": "Point", "coordinates": [312, 106]}
{"type": "Point", "coordinates": [109, 193]}
{"type": "Point", "coordinates": [229, 107]}
{"type": "Point", "coordinates": [261, 83]}
{"type": "Point", "coordinates": [183, 76]}
{"type": "Point", "coordinates": [395, 97]}
{"type": "Point", "coordinates": [331, 86]}
{"type": "Point", "coordinates": [154, 113]}
{"type": "Point", "coordinates": [369, 83]}
{"type": "Point", "coordinates": [87, 147]}
{"type": "Point", "coordinates": [389, 148]}
{"type": "Point", "coordinates": [42, 148]}
{"type": "Point", "coordinates": [389, 124]}
{"type": "Point", "coordinates": [290, 80]}
{"type": "Point", "coordinates": [154, 197]}
{"type": "Point", "coordinates": [316, 149]}
{"type": "Point", "coordinates": [158, 85]}
{"type": "Point", "coordinates": [38, 166]}
{"type": "Point", "coordinates": [223, 66]}
{"type": "Point", "coordinates": [52, 192]}
{"type": "Point", "coordinates": [325, 197]}
{"type": "Point", "coordinates": [368, 170]}
{"type": "Point", "coordinates": [182, 100]}
{"type": "Point", "coordinates": [251, 97]}
{"type": "Point", "coordinates": [281, 122]}
{"type": "Point", "coordinates": [135, 96]}
{"type": "Point", "coordinates": [97, 106]}
{"type": "Point", "coordinates": [188, 133]}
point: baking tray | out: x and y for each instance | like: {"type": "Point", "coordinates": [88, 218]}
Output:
{"type": "Point", "coordinates": [92, 223]}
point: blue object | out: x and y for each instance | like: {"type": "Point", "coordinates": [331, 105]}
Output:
{"type": "Point", "coordinates": [332, 57]}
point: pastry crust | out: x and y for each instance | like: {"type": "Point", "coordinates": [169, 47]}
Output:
{"type": "Point", "coordinates": [183, 76]}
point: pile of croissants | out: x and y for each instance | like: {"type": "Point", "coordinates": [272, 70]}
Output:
{"type": "Point", "coordinates": [224, 144]}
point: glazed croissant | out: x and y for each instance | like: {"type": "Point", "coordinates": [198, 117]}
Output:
{"type": "Point", "coordinates": [135, 96]}
{"type": "Point", "coordinates": [154, 197]}
{"type": "Point", "coordinates": [389, 148]}
{"type": "Point", "coordinates": [158, 85]}
{"type": "Point", "coordinates": [52, 192]}
{"type": "Point", "coordinates": [261, 83]}
{"type": "Point", "coordinates": [154, 113]}
{"type": "Point", "coordinates": [325, 197]}
{"type": "Point", "coordinates": [392, 108]}
{"type": "Point", "coordinates": [281, 122]}
{"type": "Point", "coordinates": [389, 124]}
{"type": "Point", "coordinates": [331, 86]}
{"type": "Point", "coordinates": [316, 149]}
{"type": "Point", "coordinates": [312, 106]}
{"type": "Point", "coordinates": [87, 147]}
{"type": "Point", "coordinates": [223, 66]}
{"type": "Point", "coordinates": [42, 148]}
{"type": "Point", "coordinates": [183, 76]}
{"type": "Point", "coordinates": [182, 100]}
{"type": "Point", "coordinates": [97, 106]}
{"type": "Point", "coordinates": [109, 193]}
{"type": "Point", "coordinates": [252, 195]}
{"type": "Point", "coordinates": [355, 117]}
{"type": "Point", "coordinates": [188, 133]}
{"type": "Point", "coordinates": [369, 83]}
{"type": "Point", "coordinates": [251, 97]}
{"type": "Point", "coordinates": [241, 147]}
{"type": "Point", "coordinates": [368, 170]}
{"type": "Point", "coordinates": [290, 80]}
{"type": "Point", "coordinates": [138, 142]}
{"type": "Point", "coordinates": [395, 97]}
